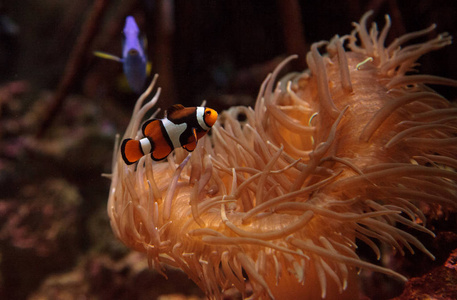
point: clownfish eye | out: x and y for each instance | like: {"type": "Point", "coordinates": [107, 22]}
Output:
{"type": "Point", "coordinates": [208, 112]}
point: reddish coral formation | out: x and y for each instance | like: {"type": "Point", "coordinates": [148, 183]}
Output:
{"type": "Point", "coordinates": [451, 262]}
{"type": "Point", "coordinates": [43, 218]}
{"type": "Point", "coordinates": [439, 284]}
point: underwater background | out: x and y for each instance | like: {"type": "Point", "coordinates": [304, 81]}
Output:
{"type": "Point", "coordinates": [61, 107]}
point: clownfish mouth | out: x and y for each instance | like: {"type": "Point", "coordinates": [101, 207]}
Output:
{"type": "Point", "coordinates": [332, 157]}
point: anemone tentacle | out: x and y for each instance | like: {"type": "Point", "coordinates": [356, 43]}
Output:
{"type": "Point", "coordinates": [330, 157]}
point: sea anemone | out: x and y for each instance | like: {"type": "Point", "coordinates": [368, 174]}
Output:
{"type": "Point", "coordinates": [336, 155]}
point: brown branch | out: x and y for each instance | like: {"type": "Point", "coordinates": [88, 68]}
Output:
{"type": "Point", "coordinates": [163, 51]}
{"type": "Point", "coordinates": [75, 63]}
{"type": "Point", "coordinates": [294, 37]}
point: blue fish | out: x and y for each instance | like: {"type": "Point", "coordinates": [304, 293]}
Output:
{"type": "Point", "coordinates": [134, 60]}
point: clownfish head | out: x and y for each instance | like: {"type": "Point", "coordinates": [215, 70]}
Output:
{"type": "Point", "coordinates": [210, 116]}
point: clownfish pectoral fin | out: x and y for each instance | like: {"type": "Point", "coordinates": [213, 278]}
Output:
{"type": "Point", "coordinates": [201, 134]}
{"type": "Point", "coordinates": [108, 56]}
{"type": "Point", "coordinates": [131, 151]}
{"type": "Point", "coordinates": [191, 141]}
{"type": "Point", "coordinates": [151, 127]}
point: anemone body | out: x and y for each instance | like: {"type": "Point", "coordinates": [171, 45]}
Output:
{"type": "Point", "coordinates": [340, 153]}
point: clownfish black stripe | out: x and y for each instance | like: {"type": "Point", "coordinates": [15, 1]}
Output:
{"type": "Point", "coordinates": [165, 134]}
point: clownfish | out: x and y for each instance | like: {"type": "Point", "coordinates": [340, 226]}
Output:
{"type": "Point", "coordinates": [134, 60]}
{"type": "Point", "coordinates": [181, 127]}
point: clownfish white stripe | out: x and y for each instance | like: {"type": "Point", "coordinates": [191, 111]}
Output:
{"type": "Point", "coordinates": [145, 145]}
{"type": "Point", "coordinates": [174, 131]}
{"type": "Point", "coordinates": [201, 118]}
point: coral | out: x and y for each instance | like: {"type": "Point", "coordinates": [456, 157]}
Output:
{"type": "Point", "coordinates": [438, 284]}
{"type": "Point", "coordinates": [328, 158]}
{"type": "Point", "coordinates": [100, 277]}
{"type": "Point", "coordinates": [41, 223]}
{"type": "Point", "coordinates": [44, 220]}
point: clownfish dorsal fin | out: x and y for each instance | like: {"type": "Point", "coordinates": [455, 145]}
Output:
{"type": "Point", "coordinates": [173, 109]}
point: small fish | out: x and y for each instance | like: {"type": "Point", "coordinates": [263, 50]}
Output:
{"type": "Point", "coordinates": [134, 60]}
{"type": "Point", "coordinates": [181, 127]}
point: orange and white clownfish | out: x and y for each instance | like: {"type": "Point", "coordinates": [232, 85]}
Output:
{"type": "Point", "coordinates": [181, 127]}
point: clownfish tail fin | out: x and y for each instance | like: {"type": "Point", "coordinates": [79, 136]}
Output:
{"type": "Point", "coordinates": [131, 151]}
